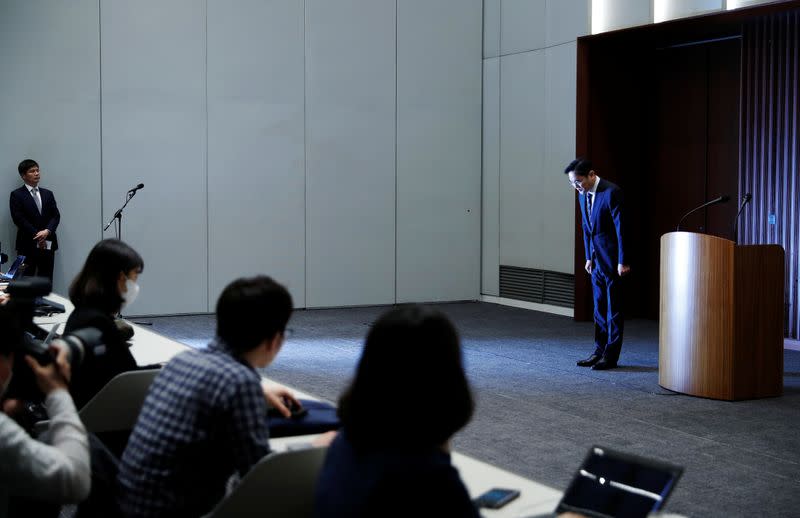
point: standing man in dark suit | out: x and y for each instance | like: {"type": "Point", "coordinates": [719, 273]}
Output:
{"type": "Point", "coordinates": [603, 230]}
{"type": "Point", "coordinates": [36, 216]}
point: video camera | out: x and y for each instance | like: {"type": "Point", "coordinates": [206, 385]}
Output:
{"type": "Point", "coordinates": [80, 344]}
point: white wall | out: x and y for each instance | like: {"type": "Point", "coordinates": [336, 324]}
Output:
{"type": "Point", "coordinates": [350, 124]}
{"type": "Point", "coordinates": [608, 15]}
{"type": "Point", "coordinates": [670, 9]}
{"type": "Point", "coordinates": [313, 140]}
{"type": "Point", "coordinates": [153, 64]}
{"type": "Point", "coordinates": [256, 143]}
{"type": "Point", "coordinates": [737, 4]}
{"type": "Point", "coordinates": [50, 111]}
{"type": "Point", "coordinates": [529, 134]}
{"type": "Point", "coordinates": [490, 224]}
{"type": "Point", "coordinates": [438, 150]}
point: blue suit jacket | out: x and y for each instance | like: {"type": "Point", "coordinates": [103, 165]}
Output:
{"type": "Point", "coordinates": [603, 238]}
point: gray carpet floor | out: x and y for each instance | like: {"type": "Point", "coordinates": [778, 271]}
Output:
{"type": "Point", "coordinates": [537, 413]}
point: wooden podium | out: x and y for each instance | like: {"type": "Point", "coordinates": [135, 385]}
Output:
{"type": "Point", "coordinates": [721, 317]}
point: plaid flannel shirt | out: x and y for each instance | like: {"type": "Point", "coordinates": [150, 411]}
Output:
{"type": "Point", "coordinates": [204, 418]}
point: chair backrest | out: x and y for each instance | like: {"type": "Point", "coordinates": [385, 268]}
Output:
{"type": "Point", "coordinates": [281, 484]}
{"type": "Point", "coordinates": [116, 407]}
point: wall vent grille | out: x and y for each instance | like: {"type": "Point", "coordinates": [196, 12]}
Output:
{"type": "Point", "coordinates": [540, 286]}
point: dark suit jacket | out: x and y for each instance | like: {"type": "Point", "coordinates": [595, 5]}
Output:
{"type": "Point", "coordinates": [28, 220]}
{"type": "Point", "coordinates": [96, 371]}
{"type": "Point", "coordinates": [603, 239]}
{"type": "Point", "coordinates": [389, 483]}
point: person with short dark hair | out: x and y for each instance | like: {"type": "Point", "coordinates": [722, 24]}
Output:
{"type": "Point", "coordinates": [391, 457]}
{"type": "Point", "coordinates": [205, 416]}
{"type": "Point", "coordinates": [106, 283]}
{"type": "Point", "coordinates": [34, 472]}
{"type": "Point", "coordinates": [35, 213]}
{"type": "Point", "coordinates": [601, 204]}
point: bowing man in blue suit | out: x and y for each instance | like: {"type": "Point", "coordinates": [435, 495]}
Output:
{"type": "Point", "coordinates": [602, 209]}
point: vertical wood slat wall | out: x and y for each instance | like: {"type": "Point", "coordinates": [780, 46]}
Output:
{"type": "Point", "coordinates": [770, 144]}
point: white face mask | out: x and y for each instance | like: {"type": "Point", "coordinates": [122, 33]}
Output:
{"type": "Point", "coordinates": [132, 290]}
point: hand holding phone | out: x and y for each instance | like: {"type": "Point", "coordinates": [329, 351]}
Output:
{"type": "Point", "coordinates": [496, 498]}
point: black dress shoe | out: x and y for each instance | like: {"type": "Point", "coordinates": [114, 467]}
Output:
{"type": "Point", "coordinates": [604, 365]}
{"type": "Point", "coordinates": [588, 362]}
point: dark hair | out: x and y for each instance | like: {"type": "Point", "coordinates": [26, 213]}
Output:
{"type": "Point", "coordinates": [404, 400]}
{"type": "Point", "coordinates": [252, 310]}
{"type": "Point", "coordinates": [96, 284]}
{"type": "Point", "coordinates": [580, 165]}
{"type": "Point", "coordinates": [25, 165]}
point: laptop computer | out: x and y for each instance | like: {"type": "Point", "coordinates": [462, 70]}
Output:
{"type": "Point", "coordinates": [611, 483]}
{"type": "Point", "coordinates": [15, 270]}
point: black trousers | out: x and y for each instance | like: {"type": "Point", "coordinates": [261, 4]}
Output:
{"type": "Point", "coordinates": [39, 263]}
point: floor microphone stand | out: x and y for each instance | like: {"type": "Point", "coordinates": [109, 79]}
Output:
{"type": "Point", "coordinates": [118, 232]}
{"type": "Point", "coordinates": [118, 215]}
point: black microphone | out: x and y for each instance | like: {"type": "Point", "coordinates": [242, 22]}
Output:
{"type": "Point", "coordinates": [140, 186]}
{"type": "Point", "coordinates": [745, 200]}
{"type": "Point", "coordinates": [722, 199]}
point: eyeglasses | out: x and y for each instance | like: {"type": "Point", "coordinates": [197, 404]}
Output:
{"type": "Point", "coordinates": [576, 182]}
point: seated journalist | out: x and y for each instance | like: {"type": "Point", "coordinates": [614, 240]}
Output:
{"type": "Point", "coordinates": [391, 457]}
{"type": "Point", "coordinates": [105, 285]}
{"type": "Point", "coordinates": [205, 416]}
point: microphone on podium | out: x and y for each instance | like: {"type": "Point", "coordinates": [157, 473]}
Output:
{"type": "Point", "coordinates": [745, 200]}
{"type": "Point", "coordinates": [721, 199]}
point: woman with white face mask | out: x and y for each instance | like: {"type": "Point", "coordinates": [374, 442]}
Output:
{"type": "Point", "coordinates": [106, 284]}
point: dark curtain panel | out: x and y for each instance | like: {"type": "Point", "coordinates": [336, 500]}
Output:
{"type": "Point", "coordinates": [770, 146]}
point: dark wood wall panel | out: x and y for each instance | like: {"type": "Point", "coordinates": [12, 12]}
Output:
{"type": "Point", "coordinates": [770, 144]}
{"type": "Point", "coordinates": [724, 78]}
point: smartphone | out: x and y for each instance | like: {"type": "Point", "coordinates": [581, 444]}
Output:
{"type": "Point", "coordinates": [496, 498]}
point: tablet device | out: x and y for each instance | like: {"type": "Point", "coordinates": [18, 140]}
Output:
{"type": "Point", "coordinates": [612, 483]}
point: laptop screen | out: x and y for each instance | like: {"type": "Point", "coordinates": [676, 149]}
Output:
{"type": "Point", "coordinates": [12, 271]}
{"type": "Point", "coordinates": [612, 483]}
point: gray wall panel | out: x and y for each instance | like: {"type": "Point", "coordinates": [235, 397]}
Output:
{"type": "Point", "coordinates": [490, 212]}
{"type": "Point", "coordinates": [522, 25]}
{"type": "Point", "coordinates": [154, 131]}
{"type": "Point", "coordinates": [256, 170]}
{"type": "Point", "coordinates": [350, 152]}
{"type": "Point", "coordinates": [50, 106]}
{"type": "Point", "coordinates": [522, 151]}
{"type": "Point", "coordinates": [491, 28]}
{"type": "Point", "coordinates": [567, 20]}
{"type": "Point", "coordinates": [438, 149]}
{"type": "Point", "coordinates": [556, 201]}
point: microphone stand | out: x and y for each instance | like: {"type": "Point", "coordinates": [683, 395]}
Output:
{"type": "Point", "coordinates": [118, 231]}
{"type": "Point", "coordinates": [118, 215]}
{"type": "Point", "coordinates": [722, 199]}
{"type": "Point", "coordinates": [745, 200]}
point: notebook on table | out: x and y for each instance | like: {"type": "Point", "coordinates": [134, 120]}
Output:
{"type": "Point", "coordinates": [611, 483]}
